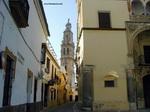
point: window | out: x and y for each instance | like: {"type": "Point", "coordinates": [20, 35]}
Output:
{"type": "Point", "coordinates": [104, 20]}
{"type": "Point", "coordinates": [64, 51]}
{"type": "Point", "coordinates": [67, 38]}
{"type": "Point", "coordinates": [52, 72]}
{"type": "Point", "coordinates": [109, 83]}
{"type": "Point", "coordinates": [43, 53]}
{"type": "Point", "coordinates": [147, 54]}
{"type": "Point", "coordinates": [55, 74]}
{"type": "Point", "coordinates": [137, 7]}
{"type": "Point", "coordinates": [9, 77]}
{"type": "Point", "coordinates": [66, 68]}
{"type": "Point", "coordinates": [48, 63]}
{"type": "Point", "coordinates": [67, 51]}
{"type": "Point", "coordinates": [47, 66]}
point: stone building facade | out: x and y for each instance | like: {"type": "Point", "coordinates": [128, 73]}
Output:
{"type": "Point", "coordinates": [112, 55]}
{"type": "Point", "coordinates": [67, 54]}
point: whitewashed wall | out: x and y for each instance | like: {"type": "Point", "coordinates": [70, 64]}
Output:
{"type": "Point", "coordinates": [14, 38]}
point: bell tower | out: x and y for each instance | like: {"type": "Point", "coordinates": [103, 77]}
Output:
{"type": "Point", "coordinates": [67, 54]}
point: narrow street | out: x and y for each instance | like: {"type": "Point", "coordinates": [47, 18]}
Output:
{"type": "Point", "coordinates": [68, 107]}
{"type": "Point", "coordinates": [75, 56]}
{"type": "Point", "coordinates": [75, 107]}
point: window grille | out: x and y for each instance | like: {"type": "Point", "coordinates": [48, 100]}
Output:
{"type": "Point", "coordinates": [104, 20]}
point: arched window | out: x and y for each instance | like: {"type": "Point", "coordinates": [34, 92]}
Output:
{"type": "Point", "coordinates": [66, 68]}
{"type": "Point", "coordinates": [148, 8]}
{"type": "Point", "coordinates": [137, 8]}
{"type": "Point", "coordinates": [64, 52]}
{"type": "Point", "coordinates": [67, 51]}
{"type": "Point", "coordinates": [67, 38]}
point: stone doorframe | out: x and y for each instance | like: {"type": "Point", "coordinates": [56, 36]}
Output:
{"type": "Point", "coordinates": [132, 30]}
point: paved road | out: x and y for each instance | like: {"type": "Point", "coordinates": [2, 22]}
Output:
{"type": "Point", "coordinates": [76, 107]}
{"type": "Point", "coordinates": [68, 107]}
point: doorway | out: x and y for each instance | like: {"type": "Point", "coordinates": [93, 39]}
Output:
{"type": "Point", "coordinates": [29, 85]}
{"type": "Point", "coordinates": [8, 81]}
{"type": "Point", "coordinates": [42, 96]}
{"type": "Point", "coordinates": [45, 95]}
{"type": "Point", "coordinates": [76, 98]}
{"type": "Point", "coordinates": [70, 98]}
{"type": "Point", "coordinates": [146, 89]}
{"type": "Point", "coordinates": [35, 89]}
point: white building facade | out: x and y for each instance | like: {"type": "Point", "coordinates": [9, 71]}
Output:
{"type": "Point", "coordinates": [23, 29]}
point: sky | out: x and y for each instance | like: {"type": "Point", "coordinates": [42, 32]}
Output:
{"type": "Point", "coordinates": [57, 17]}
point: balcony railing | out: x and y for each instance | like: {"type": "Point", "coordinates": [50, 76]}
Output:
{"type": "Point", "coordinates": [57, 80]}
{"type": "Point", "coordinates": [51, 82]}
{"type": "Point", "coordinates": [20, 12]}
{"type": "Point", "coordinates": [47, 70]}
{"type": "Point", "coordinates": [142, 61]}
{"type": "Point", "coordinates": [140, 18]}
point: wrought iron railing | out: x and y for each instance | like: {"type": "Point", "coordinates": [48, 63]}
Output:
{"type": "Point", "coordinates": [142, 61]}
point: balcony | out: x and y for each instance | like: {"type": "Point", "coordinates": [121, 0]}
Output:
{"type": "Point", "coordinates": [142, 61]}
{"type": "Point", "coordinates": [20, 12]}
{"type": "Point", "coordinates": [51, 82]}
{"type": "Point", "coordinates": [57, 80]}
{"type": "Point", "coordinates": [140, 18]}
{"type": "Point", "coordinates": [43, 53]}
{"type": "Point", "coordinates": [47, 70]}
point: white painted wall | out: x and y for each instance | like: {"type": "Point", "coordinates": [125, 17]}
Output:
{"type": "Point", "coordinates": [21, 40]}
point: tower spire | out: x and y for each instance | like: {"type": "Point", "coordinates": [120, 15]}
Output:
{"type": "Point", "coordinates": [68, 26]}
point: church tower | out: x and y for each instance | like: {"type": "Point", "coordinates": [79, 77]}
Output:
{"type": "Point", "coordinates": [67, 54]}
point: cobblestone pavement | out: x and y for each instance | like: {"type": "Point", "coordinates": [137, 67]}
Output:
{"type": "Point", "coordinates": [76, 107]}
{"type": "Point", "coordinates": [67, 107]}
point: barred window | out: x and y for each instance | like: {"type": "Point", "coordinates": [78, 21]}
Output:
{"type": "Point", "coordinates": [104, 20]}
{"type": "Point", "coordinates": [147, 54]}
{"type": "Point", "coordinates": [109, 83]}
